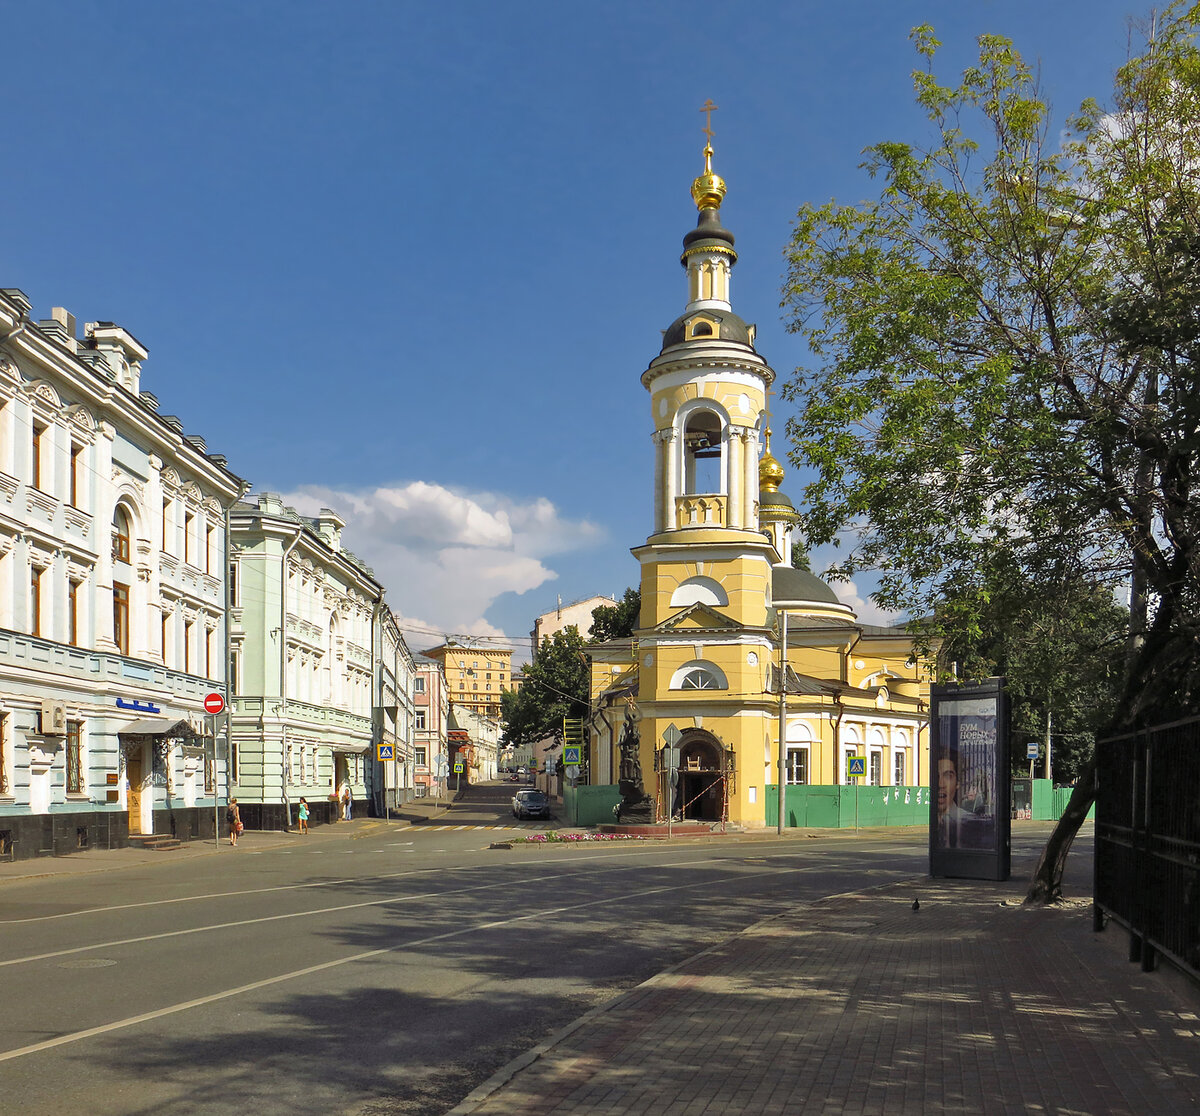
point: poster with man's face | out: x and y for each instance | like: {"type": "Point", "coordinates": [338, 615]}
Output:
{"type": "Point", "coordinates": [965, 775]}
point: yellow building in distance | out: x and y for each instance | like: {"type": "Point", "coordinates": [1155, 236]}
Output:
{"type": "Point", "coordinates": [475, 675]}
{"type": "Point", "coordinates": [720, 597]}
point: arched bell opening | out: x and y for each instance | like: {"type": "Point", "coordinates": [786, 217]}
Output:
{"type": "Point", "coordinates": [703, 455]}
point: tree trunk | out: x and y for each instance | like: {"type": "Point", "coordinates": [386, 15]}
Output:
{"type": "Point", "coordinates": [1046, 884]}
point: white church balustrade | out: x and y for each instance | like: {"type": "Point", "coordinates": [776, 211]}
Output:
{"type": "Point", "coordinates": [700, 511]}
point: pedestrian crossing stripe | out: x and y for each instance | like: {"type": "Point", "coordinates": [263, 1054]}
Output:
{"type": "Point", "coordinates": [468, 828]}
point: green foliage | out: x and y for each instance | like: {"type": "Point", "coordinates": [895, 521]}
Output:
{"type": "Point", "coordinates": [617, 621]}
{"type": "Point", "coordinates": [1061, 649]}
{"type": "Point", "coordinates": [1002, 391]}
{"type": "Point", "coordinates": [555, 686]}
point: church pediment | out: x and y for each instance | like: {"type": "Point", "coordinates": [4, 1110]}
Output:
{"type": "Point", "coordinates": [698, 618]}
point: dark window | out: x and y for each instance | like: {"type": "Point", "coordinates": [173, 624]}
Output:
{"type": "Point", "coordinates": [74, 750]}
{"type": "Point", "coordinates": [797, 766]}
{"type": "Point", "coordinates": [35, 456]}
{"type": "Point", "coordinates": [35, 602]}
{"type": "Point", "coordinates": [121, 617]}
{"type": "Point", "coordinates": [120, 536]}
{"type": "Point", "coordinates": [73, 612]}
{"type": "Point", "coordinates": [76, 474]}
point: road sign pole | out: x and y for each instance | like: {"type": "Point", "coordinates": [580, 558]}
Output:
{"type": "Point", "coordinates": [212, 732]}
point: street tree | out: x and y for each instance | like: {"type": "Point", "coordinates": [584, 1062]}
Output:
{"type": "Point", "coordinates": [1061, 648]}
{"type": "Point", "coordinates": [617, 621]}
{"type": "Point", "coordinates": [1002, 374]}
{"type": "Point", "coordinates": [555, 686]}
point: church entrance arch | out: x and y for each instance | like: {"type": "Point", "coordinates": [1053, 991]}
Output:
{"type": "Point", "coordinates": [702, 793]}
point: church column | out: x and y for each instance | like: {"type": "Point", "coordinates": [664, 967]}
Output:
{"type": "Point", "coordinates": [750, 522]}
{"type": "Point", "coordinates": [659, 474]}
{"type": "Point", "coordinates": [736, 469]}
{"type": "Point", "coordinates": [671, 488]}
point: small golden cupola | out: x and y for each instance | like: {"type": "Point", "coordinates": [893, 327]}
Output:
{"type": "Point", "coordinates": [708, 253]}
{"type": "Point", "coordinates": [776, 513]}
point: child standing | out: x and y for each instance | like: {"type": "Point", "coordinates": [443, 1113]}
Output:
{"type": "Point", "coordinates": [304, 815]}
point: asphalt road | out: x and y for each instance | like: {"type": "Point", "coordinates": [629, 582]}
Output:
{"type": "Point", "coordinates": [388, 972]}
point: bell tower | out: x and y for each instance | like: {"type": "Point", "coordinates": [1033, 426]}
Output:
{"type": "Point", "coordinates": [707, 632]}
{"type": "Point", "coordinates": [708, 395]}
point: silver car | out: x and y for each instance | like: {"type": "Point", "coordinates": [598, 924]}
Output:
{"type": "Point", "coordinates": [530, 804]}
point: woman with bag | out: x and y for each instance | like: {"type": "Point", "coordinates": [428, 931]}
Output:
{"type": "Point", "coordinates": [234, 817]}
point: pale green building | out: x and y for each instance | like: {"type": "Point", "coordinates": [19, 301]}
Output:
{"type": "Point", "coordinates": [319, 671]}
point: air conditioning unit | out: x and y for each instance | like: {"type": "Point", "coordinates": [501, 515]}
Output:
{"type": "Point", "coordinates": [54, 718]}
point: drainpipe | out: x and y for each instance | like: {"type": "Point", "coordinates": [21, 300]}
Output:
{"type": "Point", "coordinates": [17, 329]}
{"type": "Point", "coordinates": [782, 773]}
{"type": "Point", "coordinates": [283, 732]}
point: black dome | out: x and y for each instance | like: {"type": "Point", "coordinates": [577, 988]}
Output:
{"type": "Point", "coordinates": [791, 586]}
{"type": "Point", "coordinates": [708, 232]}
{"type": "Point", "coordinates": [729, 327]}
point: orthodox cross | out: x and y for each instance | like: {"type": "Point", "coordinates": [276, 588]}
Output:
{"type": "Point", "coordinates": [708, 108]}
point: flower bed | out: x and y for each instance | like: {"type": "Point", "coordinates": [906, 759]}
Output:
{"type": "Point", "coordinates": [552, 836]}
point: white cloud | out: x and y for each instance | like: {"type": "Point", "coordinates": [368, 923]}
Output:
{"type": "Point", "coordinates": [444, 556]}
{"type": "Point", "coordinates": [867, 610]}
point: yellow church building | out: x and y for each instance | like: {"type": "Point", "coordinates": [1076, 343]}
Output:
{"type": "Point", "coordinates": [720, 599]}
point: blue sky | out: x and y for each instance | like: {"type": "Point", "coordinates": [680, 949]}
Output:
{"type": "Point", "coordinates": [409, 260]}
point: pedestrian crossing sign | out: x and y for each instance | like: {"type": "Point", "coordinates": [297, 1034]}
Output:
{"type": "Point", "coordinates": [572, 753]}
{"type": "Point", "coordinates": [856, 765]}
{"type": "Point", "coordinates": [386, 751]}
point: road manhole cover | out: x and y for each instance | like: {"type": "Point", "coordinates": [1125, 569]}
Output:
{"type": "Point", "coordinates": [87, 963]}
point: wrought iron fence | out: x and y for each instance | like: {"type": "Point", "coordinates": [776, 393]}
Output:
{"type": "Point", "coordinates": [1147, 861]}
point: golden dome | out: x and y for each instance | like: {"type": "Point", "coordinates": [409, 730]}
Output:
{"type": "Point", "coordinates": [708, 189]}
{"type": "Point", "coordinates": [770, 472]}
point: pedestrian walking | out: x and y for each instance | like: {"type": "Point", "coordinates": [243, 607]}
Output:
{"type": "Point", "coordinates": [303, 815]}
{"type": "Point", "coordinates": [234, 817]}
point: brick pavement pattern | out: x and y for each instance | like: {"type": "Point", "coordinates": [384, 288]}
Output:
{"type": "Point", "coordinates": [858, 1005]}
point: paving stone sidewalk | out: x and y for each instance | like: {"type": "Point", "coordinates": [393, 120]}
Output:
{"type": "Point", "coordinates": [858, 1004]}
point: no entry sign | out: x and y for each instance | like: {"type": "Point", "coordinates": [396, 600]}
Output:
{"type": "Point", "coordinates": [213, 703]}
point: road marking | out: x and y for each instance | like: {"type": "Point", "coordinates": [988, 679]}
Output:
{"type": "Point", "coordinates": [226, 895]}
{"type": "Point", "coordinates": [636, 850]}
{"type": "Point", "coordinates": [297, 974]}
{"type": "Point", "coordinates": [548, 878]}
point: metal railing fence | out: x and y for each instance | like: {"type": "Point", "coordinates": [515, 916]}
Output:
{"type": "Point", "coordinates": [1147, 862]}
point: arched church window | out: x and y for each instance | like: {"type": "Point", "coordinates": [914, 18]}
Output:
{"type": "Point", "coordinates": [699, 590]}
{"type": "Point", "coordinates": [701, 328]}
{"type": "Point", "coordinates": [699, 675]}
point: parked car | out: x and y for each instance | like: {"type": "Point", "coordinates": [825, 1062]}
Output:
{"type": "Point", "coordinates": [514, 778]}
{"type": "Point", "coordinates": [530, 804]}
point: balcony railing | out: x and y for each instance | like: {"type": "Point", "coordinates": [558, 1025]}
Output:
{"type": "Point", "coordinates": [700, 510]}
